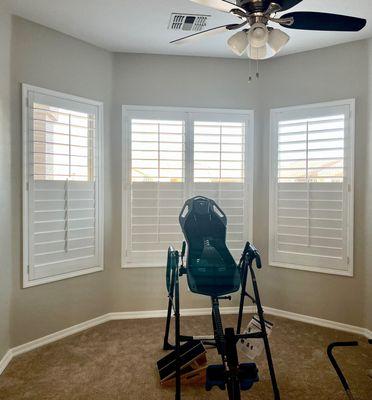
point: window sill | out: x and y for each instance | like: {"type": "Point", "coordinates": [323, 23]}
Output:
{"type": "Point", "coordinates": [30, 283]}
{"type": "Point", "coordinates": [135, 265]}
{"type": "Point", "coordinates": [330, 271]}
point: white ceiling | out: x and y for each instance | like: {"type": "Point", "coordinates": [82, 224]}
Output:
{"type": "Point", "coordinates": [140, 26]}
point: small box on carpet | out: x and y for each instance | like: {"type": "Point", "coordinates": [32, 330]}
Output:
{"type": "Point", "coordinates": [193, 361]}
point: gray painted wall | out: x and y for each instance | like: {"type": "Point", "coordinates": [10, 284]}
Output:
{"type": "Point", "coordinates": [368, 199]}
{"type": "Point", "coordinates": [5, 184]}
{"type": "Point", "coordinates": [291, 80]}
{"type": "Point", "coordinates": [49, 59]}
{"type": "Point", "coordinates": [328, 74]}
{"type": "Point", "coordinates": [166, 81]}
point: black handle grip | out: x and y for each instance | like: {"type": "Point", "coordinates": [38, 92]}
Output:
{"type": "Point", "coordinates": [256, 256]}
{"type": "Point", "coordinates": [246, 248]}
{"type": "Point", "coordinates": [250, 253]}
{"type": "Point", "coordinates": [183, 251]}
{"type": "Point", "coordinates": [258, 261]}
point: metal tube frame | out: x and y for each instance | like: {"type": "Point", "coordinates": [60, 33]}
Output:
{"type": "Point", "coordinates": [245, 270]}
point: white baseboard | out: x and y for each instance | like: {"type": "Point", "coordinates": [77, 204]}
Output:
{"type": "Point", "coordinates": [5, 360]}
{"type": "Point", "coordinates": [248, 309]}
{"type": "Point", "coordinates": [24, 348]}
{"type": "Point", "coordinates": [186, 312]}
{"type": "Point", "coordinates": [318, 321]}
{"type": "Point", "coordinates": [368, 334]}
{"type": "Point", "coordinates": [161, 314]}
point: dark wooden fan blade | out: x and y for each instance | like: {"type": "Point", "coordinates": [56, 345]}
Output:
{"type": "Point", "coordinates": [315, 21]}
{"type": "Point", "coordinates": [287, 4]}
{"type": "Point", "coordinates": [208, 32]}
{"type": "Point", "coordinates": [220, 5]}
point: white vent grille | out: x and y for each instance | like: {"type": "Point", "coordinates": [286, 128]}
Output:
{"type": "Point", "coordinates": [188, 22]}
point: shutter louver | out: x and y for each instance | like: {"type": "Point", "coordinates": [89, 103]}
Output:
{"type": "Point", "coordinates": [219, 173]}
{"type": "Point", "coordinates": [63, 219]}
{"type": "Point", "coordinates": [310, 214]}
{"type": "Point", "coordinates": [157, 188]}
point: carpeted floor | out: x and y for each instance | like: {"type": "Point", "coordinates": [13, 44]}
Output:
{"type": "Point", "coordinates": [116, 361]}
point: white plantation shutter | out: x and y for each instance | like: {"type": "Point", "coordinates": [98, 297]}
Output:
{"type": "Point", "coordinates": [155, 189]}
{"type": "Point", "coordinates": [62, 221]}
{"type": "Point", "coordinates": [311, 213]}
{"type": "Point", "coordinates": [219, 172]}
{"type": "Point", "coordinates": [172, 155]}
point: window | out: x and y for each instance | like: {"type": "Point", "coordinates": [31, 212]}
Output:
{"type": "Point", "coordinates": [62, 190]}
{"type": "Point", "coordinates": [311, 197]}
{"type": "Point", "coordinates": [223, 169]}
{"type": "Point", "coordinates": [172, 155]}
{"type": "Point", "coordinates": [157, 186]}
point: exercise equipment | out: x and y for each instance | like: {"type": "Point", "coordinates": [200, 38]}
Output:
{"type": "Point", "coordinates": [212, 271]}
{"type": "Point", "coordinates": [193, 361]}
{"type": "Point", "coordinates": [336, 366]}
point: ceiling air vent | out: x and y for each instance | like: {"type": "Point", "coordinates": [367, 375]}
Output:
{"type": "Point", "coordinates": [188, 22]}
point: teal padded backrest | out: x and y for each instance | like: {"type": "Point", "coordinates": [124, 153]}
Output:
{"type": "Point", "coordinates": [211, 270]}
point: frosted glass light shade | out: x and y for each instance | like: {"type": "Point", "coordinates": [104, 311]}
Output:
{"type": "Point", "coordinates": [258, 35]}
{"type": "Point", "coordinates": [277, 39]}
{"type": "Point", "coordinates": [238, 43]}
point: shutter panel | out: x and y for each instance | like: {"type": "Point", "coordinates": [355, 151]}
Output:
{"type": "Point", "coordinates": [157, 190]}
{"type": "Point", "coordinates": [62, 174]}
{"type": "Point", "coordinates": [219, 173]}
{"type": "Point", "coordinates": [311, 211]}
{"type": "Point", "coordinates": [171, 155]}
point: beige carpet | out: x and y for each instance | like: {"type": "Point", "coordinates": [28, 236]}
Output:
{"type": "Point", "coordinates": [117, 361]}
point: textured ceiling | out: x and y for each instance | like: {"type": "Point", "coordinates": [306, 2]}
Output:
{"type": "Point", "coordinates": [141, 26]}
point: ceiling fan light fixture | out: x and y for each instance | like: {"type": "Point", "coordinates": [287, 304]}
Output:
{"type": "Point", "coordinates": [277, 39]}
{"type": "Point", "coordinates": [257, 14]}
{"type": "Point", "coordinates": [238, 42]}
{"type": "Point", "coordinates": [258, 35]}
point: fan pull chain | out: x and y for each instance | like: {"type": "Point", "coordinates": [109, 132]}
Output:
{"type": "Point", "coordinates": [250, 70]}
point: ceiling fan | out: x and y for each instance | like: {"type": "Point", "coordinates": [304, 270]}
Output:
{"type": "Point", "coordinates": [261, 41]}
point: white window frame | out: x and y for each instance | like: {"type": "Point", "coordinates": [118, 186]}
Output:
{"type": "Point", "coordinates": [158, 112]}
{"type": "Point", "coordinates": [274, 114]}
{"type": "Point", "coordinates": [26, 89]}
